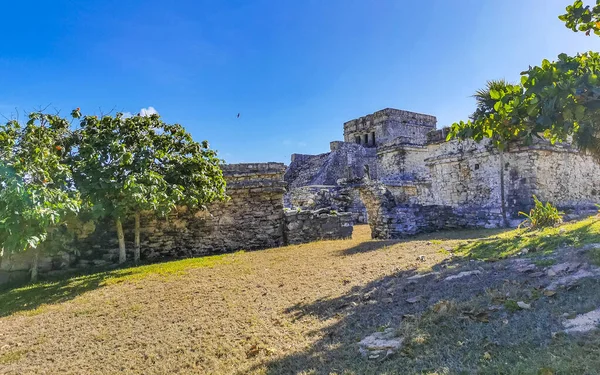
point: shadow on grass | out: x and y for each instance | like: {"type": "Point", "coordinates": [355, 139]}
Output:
{"type": "Point", "coordinates": [466, 234]}
{"type": "Point", "coordinates": [508, 342]}
{"type": "Point", "coordinates": [65, 287]}
{"type": "Point", "coordinates": [478, 333]}
{"type": "Point", "coordinates": [31, 297]}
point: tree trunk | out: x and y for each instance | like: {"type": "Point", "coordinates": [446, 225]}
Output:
{"type": "Point", "coordinates": [502, 197]}
{"type": "Point", "coordinates": [121, 236]}
{"type": "Point", "coordinates": [137, 251]}
{"type": "Point", "coordinates": [34, 265]}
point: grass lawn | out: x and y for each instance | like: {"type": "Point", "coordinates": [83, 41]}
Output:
{"type": "Point", "coordinates": [302, 309]}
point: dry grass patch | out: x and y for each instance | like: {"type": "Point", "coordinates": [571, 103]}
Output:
{"type": "Point", "coordinates": [292, 310]}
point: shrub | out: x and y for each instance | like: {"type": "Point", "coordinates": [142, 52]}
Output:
{"type": "Point", "coordinates": [542, 215]}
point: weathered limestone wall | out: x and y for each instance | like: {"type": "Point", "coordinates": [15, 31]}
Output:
{"type": "Point", "coordinates": [566, 177]}
{"type": "Point", "coordinates": [402, 161]}
{"type": "Point", "coordinates": [468, 176]}
{"type": "Point", "coordinates": [252, 219]}
{"type": "Point", "coordinates": [464, 174]}
{"type": "Point", "coordinates": [306, 226]}
{"type": "Point", "coordinates": [336, 198]}
{"type": "Point", "coordinates": [325, 169]}
{"type": "Point", "coordinates": [389, 218]}
{"type": "Point", "coordinates": [388, 124]}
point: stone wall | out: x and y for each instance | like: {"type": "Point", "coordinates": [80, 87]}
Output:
{"type": "Point", "coordinates": [338, 198]}
{"type": "Point", "coordinates": [345, 159]}
{"type": "Point", "coordinates": [468, 175]}
{"type": "Point", "coordinates": [253, 218]}
{"type": "Point", "coordinates": [389, 218]}
{"type": "Point", "coordinates": [388, 124]}
{"type": "Point", "coordinates": [402, 161]}
{"type": "Point", "coordinates": [305, 226]}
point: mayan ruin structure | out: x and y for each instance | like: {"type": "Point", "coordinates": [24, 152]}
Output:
{"type": "Point", "coordinates": [397, 172]}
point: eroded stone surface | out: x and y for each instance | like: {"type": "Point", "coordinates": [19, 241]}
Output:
{"type": "Point", "coordinates": [380, 345]}
{"type": "Point", "coordinates": [462, 274]}
{"type": "Point", "coordinates": [253, 218]}
{"type": "Point", "coordinates": [419, 182]}
{"type": "Point", "coordinates": [583, 323]}
{"type": "Point", "coordinates": [566, 267]}
{"type": "Point", "coordinates": [572, 278]}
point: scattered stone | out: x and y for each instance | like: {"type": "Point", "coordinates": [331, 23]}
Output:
{"type": "Point", "coordinates": [570, 280]}
{"type": "Point", "coordinates": [462, 274]}
{"type": "Point", "coordinates": [441, 307]}
{"type": "Point", "coordinates": [420, 276]}
{"type": "Point", "coordinates": [583, 323]}
{"type": "Point", "coordinates": [421, 258]}
{"type": "Point", "coordinates": [387, 300]}
{"type": "Point", "coordinates": [525, 267]}
{"type": "Point", "coordinates": [562, 268]}
{"type": "Point", "coordinates": [380, 345]}
{"type": "Point", "coordinates": [523, 305]}
{"type": "Point", "coordinates": [369, 294]}
{"type": "Point", "coordinates": [414, 299]}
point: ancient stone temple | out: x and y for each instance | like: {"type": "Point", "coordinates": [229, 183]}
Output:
{"type": "Point", "coordinates": [396, 171]}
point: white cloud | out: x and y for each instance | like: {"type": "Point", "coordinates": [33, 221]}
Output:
{"type": "Point", "coordinates": [146, 112]}
{"type": "Point", "coordinates": [127, 114]}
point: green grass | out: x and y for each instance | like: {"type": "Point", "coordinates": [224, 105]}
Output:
{"type": "Point", "coordinates": [544, 262]}
{"type": "Point", "coordinates": [11, 357]}
{"type": "Point", "coordinates": [33, 299]}
{"type": "Point", "coordinates": [535, 241]}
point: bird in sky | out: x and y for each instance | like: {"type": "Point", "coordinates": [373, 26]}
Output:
{"type": "Point", "coordinates": [238, 116]}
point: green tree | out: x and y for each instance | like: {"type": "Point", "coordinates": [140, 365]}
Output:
{"type": "Point", "coordinates": [582, 18]}
{"type": "Point", "coordinates": [558, 100]}
{"type": "Point", "coordinates": [36, 186]}
{"type": "Point", "coordinates": [127, 166]}
{"type": "Point", "coordinates": [483, 97]}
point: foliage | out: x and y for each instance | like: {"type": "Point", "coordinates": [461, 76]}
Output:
{"type": "Point", "coordinates": [483, 97]}
{"type": "Point", "coordinates": [582, 18]}
{"type": "Point", "coordinates": [542, 215]}
{"type": "Point", "coordinates": [36, 185]}
{"type": "Point", "coordinates": [558, 100]}
{"type": "Point", "coordinates": [555, 100]}
{"type": "Point", "coordinates": [126, 166]}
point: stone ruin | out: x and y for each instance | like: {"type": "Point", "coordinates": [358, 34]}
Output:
{"type": "Point", "coordinates": [393, 170]}
{"type": "Point", "coordinates": [396, 171]}
{"type": "Point", "coordinates": [253, 218]}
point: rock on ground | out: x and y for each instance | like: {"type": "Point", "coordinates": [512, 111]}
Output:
{"type": "Point", "coordinates": [380, 345]}
{"type": "Point", "coordinates": [462, 274]}
{"type": "Point", "coordinates": [583, 323]}
{"type": "Point", "coordinates": [570, 279]}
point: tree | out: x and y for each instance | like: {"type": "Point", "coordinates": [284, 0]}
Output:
{"type": "Point", "coordinates": [558, 100]}
{"type": "Point", "coordinates": [36, 185]}
{"type": "Point", "coordinates": [582, 18]}
{"type": "Point", "coordinates": [483, 97]}
{"type": "Point", "coordinates": [126, 166]}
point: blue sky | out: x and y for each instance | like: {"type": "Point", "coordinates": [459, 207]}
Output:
{"type": "Point", "coordinates": [295, 70]}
